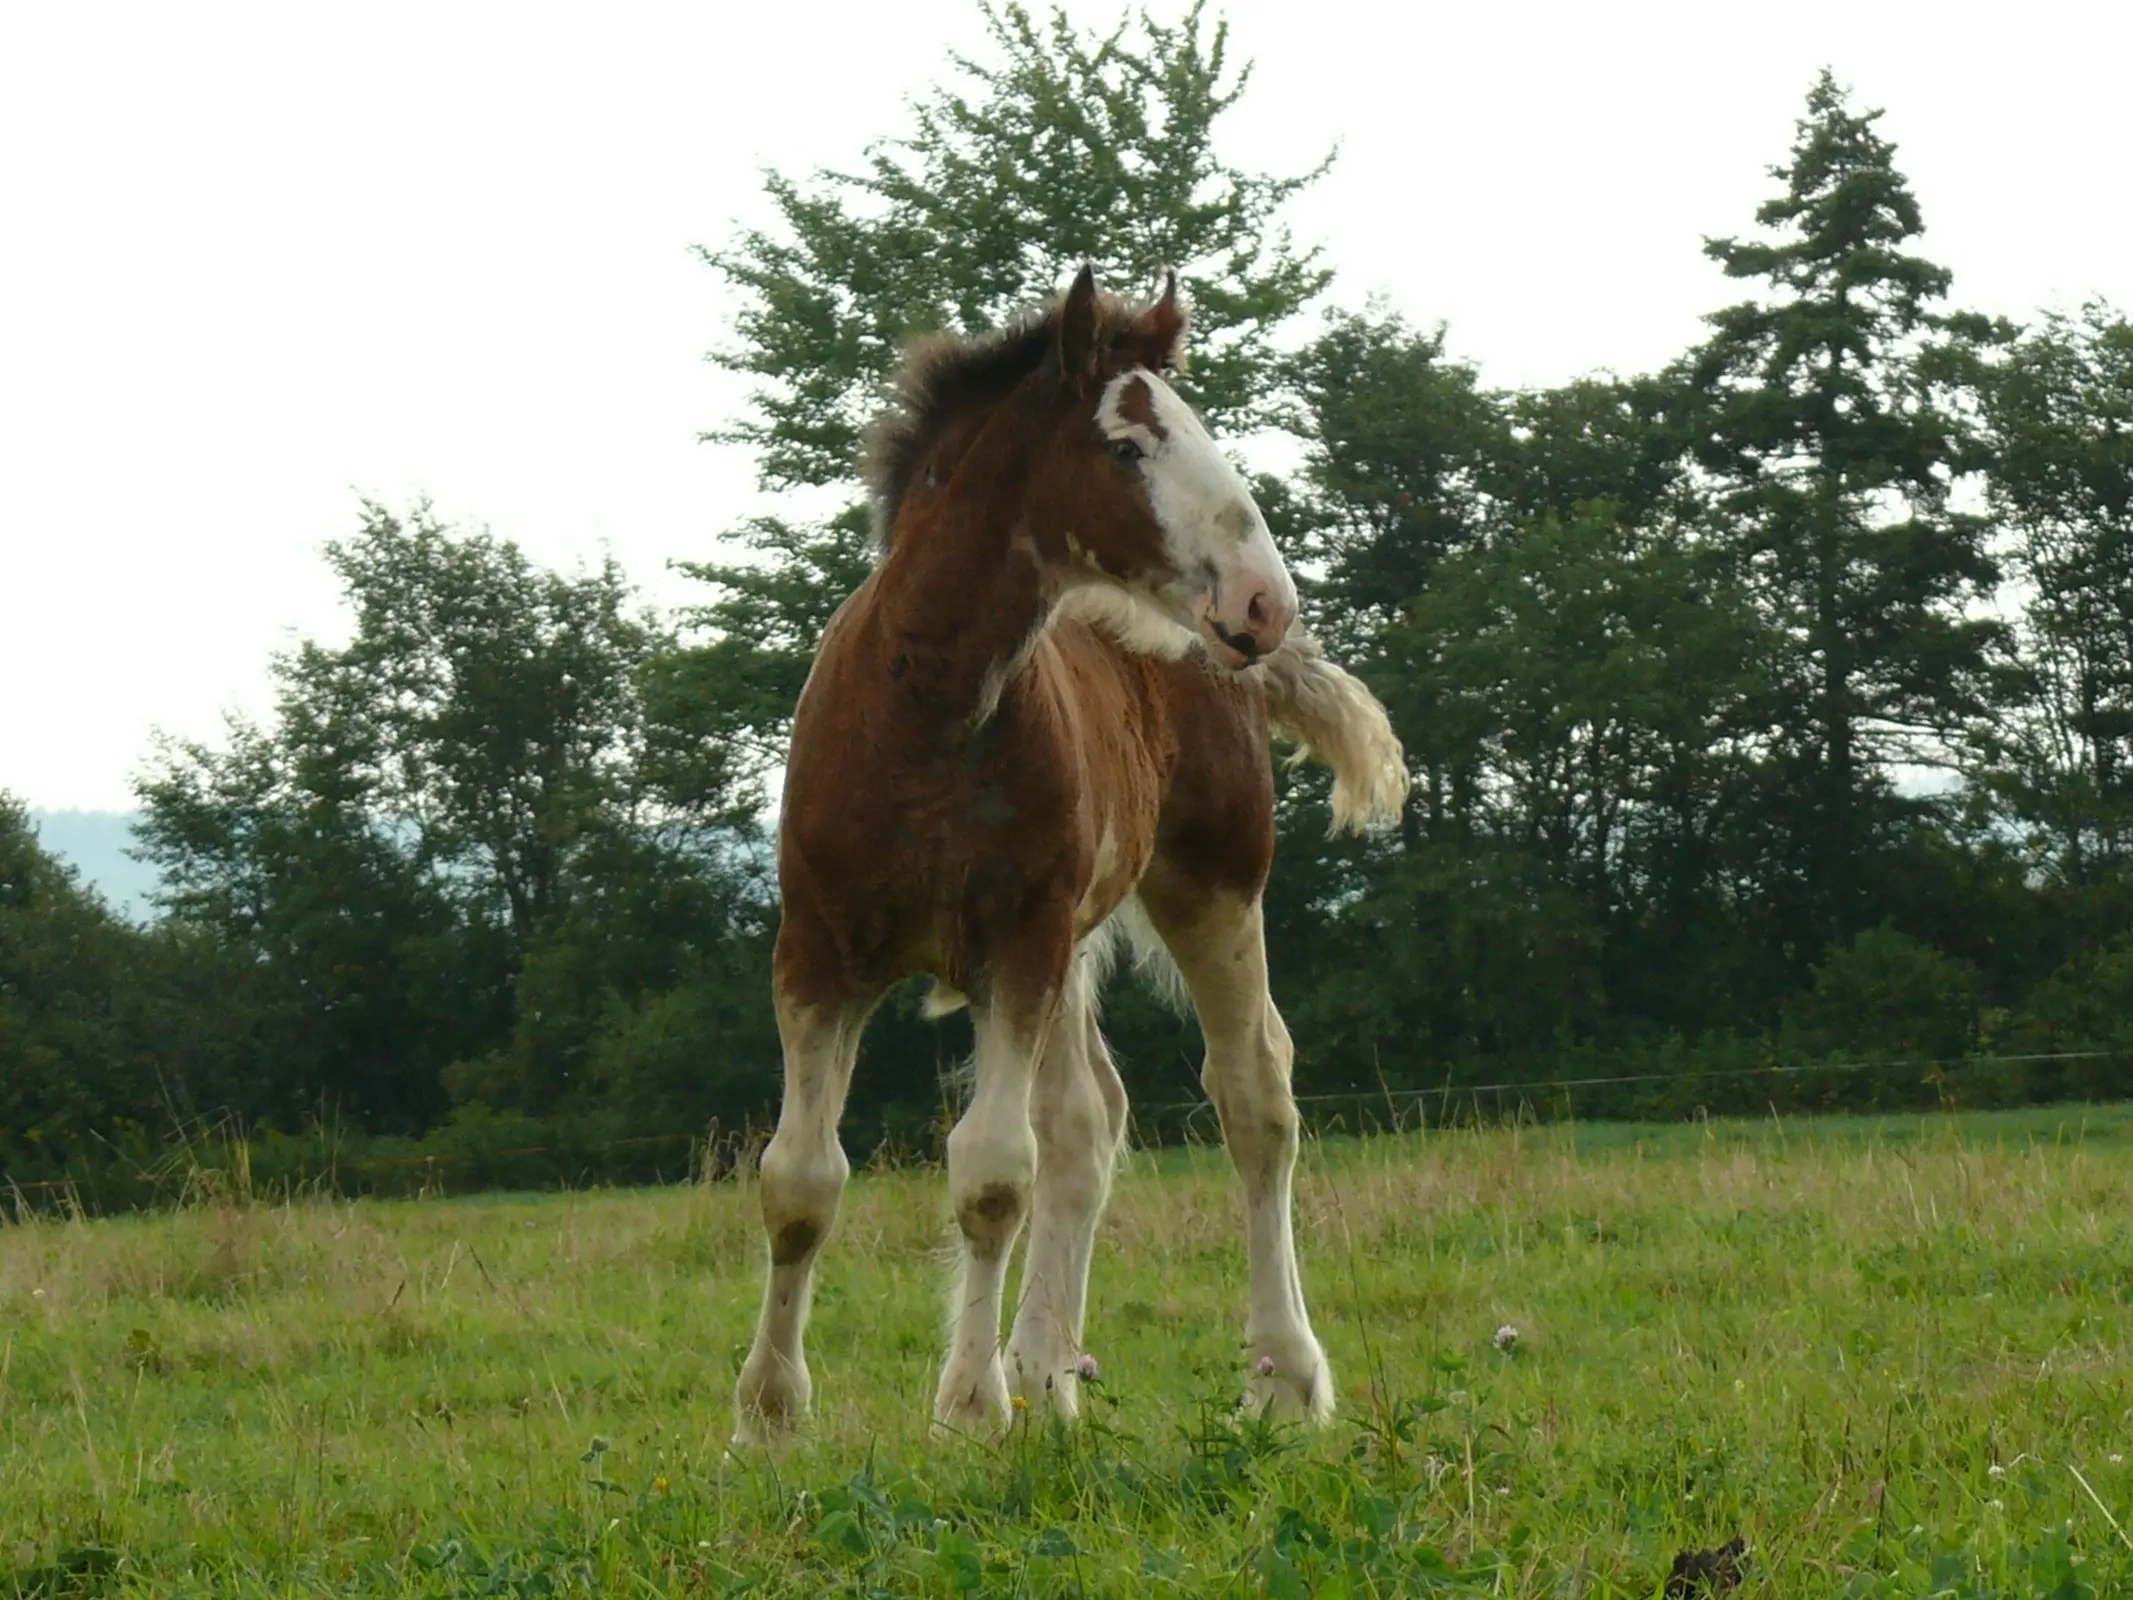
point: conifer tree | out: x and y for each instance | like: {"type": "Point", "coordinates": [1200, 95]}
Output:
{"type": "Point", "coordinates": [1832, 458]}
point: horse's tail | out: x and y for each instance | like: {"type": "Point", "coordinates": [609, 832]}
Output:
{"type": "Point", "coordinates": [1336, 721]}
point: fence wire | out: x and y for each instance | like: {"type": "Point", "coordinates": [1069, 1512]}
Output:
{"type": "Point", "coordinates": [1465, 1093]}
{"type": "Point", "coordinates": [1393, 1100]}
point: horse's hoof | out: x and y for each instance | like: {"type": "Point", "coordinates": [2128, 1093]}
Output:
{"type": "Point", "coordinates": [1300, 1390]}
{"type": "Point", "coordinates": [973, 1402]}
{"type": "Point", "coordinates": [1050, 1387]}
{"type": "Point", "coordinates": [769, 1402]}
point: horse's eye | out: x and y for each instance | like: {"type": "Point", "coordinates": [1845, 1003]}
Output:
{"type": "Point", "coordinates": [1126, 451]}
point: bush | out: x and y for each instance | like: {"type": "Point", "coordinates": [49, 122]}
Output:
{"type": "Point", "coordinates": [1885, 996]}
{"type": "Point", "coordinates": [2083, 1008]}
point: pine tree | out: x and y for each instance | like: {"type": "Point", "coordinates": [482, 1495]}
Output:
{"type": "Point", "coordinates": [1833, 459]}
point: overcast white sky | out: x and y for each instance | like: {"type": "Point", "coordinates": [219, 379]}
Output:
{"type": "Point", "coordinates": [260, 260]}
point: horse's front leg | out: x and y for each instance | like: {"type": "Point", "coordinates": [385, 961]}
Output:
{"type": "Point", "coordinates": [1080, 1114]}
{"type": "Point", "coordinates": [992, 1172]}
{"type": "Point", "coordinates": [803, 1175]}
{"type": "Point", "coordinates": [1220, 946]}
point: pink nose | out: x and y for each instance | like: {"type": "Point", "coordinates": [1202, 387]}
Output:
{"type": "Point", "coordinates": [1267, 615]}
{"type": "Point", "coordinates": [1256, 628]}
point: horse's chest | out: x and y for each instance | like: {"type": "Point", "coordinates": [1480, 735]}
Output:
{"type": "Point", "coordinates": [1027, 832]}
{"type": "Point", "coordinates": [941, 853]}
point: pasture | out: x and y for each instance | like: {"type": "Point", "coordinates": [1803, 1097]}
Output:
{"type": "Point", "coordinates": [1892, 1356]}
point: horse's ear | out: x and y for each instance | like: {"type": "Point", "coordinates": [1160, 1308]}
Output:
{"type": "Point", "coordinates": [1077, 328]}
{"type": "Point", "coordinates": [1159, 332]}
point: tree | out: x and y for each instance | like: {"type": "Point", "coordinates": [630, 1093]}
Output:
{"type": "Point", "coordinates": [69, 1063]}
{"type": "Point", "coordinates": [410, 852]}
{"type": "Point", "coordinates": [1066, 146]}
{"type": "Point", "coordinates": [2058, 408]}
{"type": "Point", "coordinates": [1070, 147]}
{"type": "Point", "coordinates": [1832, 459]}
{"type": "Point", "coordinates": [1400, 448]}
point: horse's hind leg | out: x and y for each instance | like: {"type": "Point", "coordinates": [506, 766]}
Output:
{"type": "Point", "coordinates": [1080, 1114]}
{"type": "Point", "coordinates": [1219, 943]}
{"type": "Point", "coordinates": [802, 1179]}
{"type": "Point", "coordinates": [992, 1171]}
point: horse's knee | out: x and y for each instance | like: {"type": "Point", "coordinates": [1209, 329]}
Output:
{"type": "Point", "coordinates": [800, 1188]}
{"type": "Point", "coordinates": [1263, 1134]}
{"type": "Point", "coordinates": [1074, 1130]}
{"type": "Point", "coordinates": [1249, 1085]}
{"type": "Point", "coordinates": [991, 1171]}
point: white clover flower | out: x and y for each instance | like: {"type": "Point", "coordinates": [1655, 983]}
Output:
{"type": "Point", "coordinates": [1995, 1471]}
{"type": "Point", "coordinates": [1266, 1366]}
{"type": "Point", "coordinates": [1085, 1368]}
{"type": "Point", "coordinates": [1506, 1337]}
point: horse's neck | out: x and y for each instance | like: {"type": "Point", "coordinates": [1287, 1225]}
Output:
{"type": "Point", "coordinates": [964, 597]}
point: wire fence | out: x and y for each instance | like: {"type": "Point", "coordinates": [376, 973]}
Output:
{"type": "Point", "coordinates": [716, 1152]}
{"type": "Point", "coordinates": [1448, 1091]}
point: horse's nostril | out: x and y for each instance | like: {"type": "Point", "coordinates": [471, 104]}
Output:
{"type": "Point", "coordinates": [1256, 612]}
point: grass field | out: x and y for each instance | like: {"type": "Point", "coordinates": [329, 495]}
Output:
{"type": "Point", "coordinates": [1893, 1357]}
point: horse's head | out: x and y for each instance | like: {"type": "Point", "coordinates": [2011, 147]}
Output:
{"type": "Point", "coordinates": [1133, 493]}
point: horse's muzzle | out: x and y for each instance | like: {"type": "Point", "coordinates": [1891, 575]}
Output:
{"type": "Point", "coordinates": [1239, 634]}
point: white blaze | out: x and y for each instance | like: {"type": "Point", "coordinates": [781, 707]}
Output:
{"type": "Point", "coordinates": [1218, 540]}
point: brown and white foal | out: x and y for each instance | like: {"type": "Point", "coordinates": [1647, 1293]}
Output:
{"type": "Point", "coordinates": [1040, 726]}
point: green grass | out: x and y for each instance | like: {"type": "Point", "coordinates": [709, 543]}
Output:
{"type": "Point", "coordinates": [1888, 1354]}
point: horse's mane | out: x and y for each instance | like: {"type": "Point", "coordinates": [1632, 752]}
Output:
{"type": "Point", "coordinates": [943, 375]}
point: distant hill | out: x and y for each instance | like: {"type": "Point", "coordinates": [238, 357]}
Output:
{"type": "Point", "coordinates": [95, 843]}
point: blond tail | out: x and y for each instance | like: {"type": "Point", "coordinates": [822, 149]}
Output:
{"type": "Point", "coordinates": [1336, 721]}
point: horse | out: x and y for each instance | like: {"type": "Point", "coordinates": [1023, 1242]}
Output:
{"type": "Point", "coordinates": [1034, 737]}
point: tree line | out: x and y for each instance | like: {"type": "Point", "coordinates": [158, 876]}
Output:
{"type": "Point", "coordinates": [1769, 713]}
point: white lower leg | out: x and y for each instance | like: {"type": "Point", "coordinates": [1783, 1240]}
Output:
{"type": "Point", "coordinates": [1221, 949]}
{"type": "Point", "coordinates": [1289, 1371]}
{"type": "Point", "coordinates": [992, 1168]}
{"type": "Point", "coordinates": [802, 1179]}
{"type": "Point", "coordinates": [1289, 1367]}
{"type": "Point", "coordinates": [1080, 1118]}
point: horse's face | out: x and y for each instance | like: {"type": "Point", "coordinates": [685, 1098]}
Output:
{"type": "Point", "coordinates": [1147, 500]}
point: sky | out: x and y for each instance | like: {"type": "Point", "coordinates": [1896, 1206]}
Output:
{"type": "Point", "coordinates": [261, 262]}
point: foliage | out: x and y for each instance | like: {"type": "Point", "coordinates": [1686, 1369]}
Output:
{"type": "Point", "coordinates": [69, 974]}
{"type": "Point", "coordinates": [445, 861]}
{"type": "Point", "coordinates": [489, 894]}
{"type": "Point", "coordinates": [1832, 461]}
{"type": "Point", "coordinates": [2058, 455]}
{"type": "Point", "coordinates": [1887, 995]}
{"type": "Point", "coordinates": [1066, 147]}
